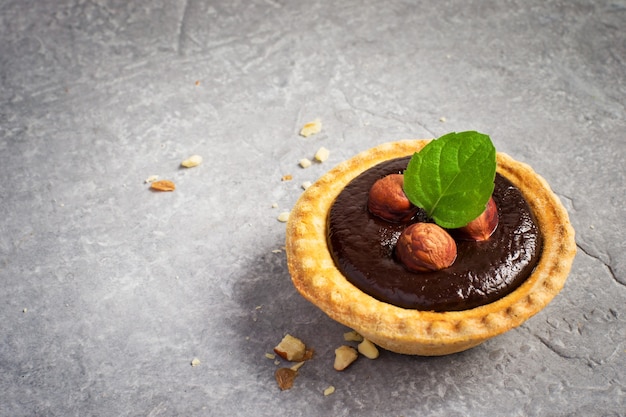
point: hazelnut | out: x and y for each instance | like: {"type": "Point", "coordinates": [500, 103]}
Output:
{"type": "Point", "coordinates": [388, 201]}
{"type": "Point", "coordinates": [425, 247]}
{"type": "Point", "coordinates": [482, 227]}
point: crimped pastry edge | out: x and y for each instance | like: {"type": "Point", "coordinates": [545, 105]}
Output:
{"type": "Point", "coordinates": [414, 332]}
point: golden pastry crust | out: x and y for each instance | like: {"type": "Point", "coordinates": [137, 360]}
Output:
{"type": "Point", "coordinates": [408, 331]}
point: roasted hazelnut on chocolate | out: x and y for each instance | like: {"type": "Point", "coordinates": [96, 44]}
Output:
{"type": "Point", "coordinates": [482, 227]}
{"type": "Point", "coordinates": [388, 201]}
{"type": "Point", "coordinates": [425, 247]}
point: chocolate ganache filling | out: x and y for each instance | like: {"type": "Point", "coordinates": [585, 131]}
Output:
{"type": "Point", "coordinates": [362, 246]}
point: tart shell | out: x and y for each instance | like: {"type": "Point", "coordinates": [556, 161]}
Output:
{"type": "Point", "coordinates": [415, 332]}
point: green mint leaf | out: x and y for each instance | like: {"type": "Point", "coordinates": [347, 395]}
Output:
{"type": "Point", "coordinates": [452, 177]}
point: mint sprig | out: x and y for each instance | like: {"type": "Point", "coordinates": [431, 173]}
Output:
{"type": "Point", "coordinates": [452, 177]}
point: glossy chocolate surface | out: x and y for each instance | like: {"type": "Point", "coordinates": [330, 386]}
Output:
{"type": "Point", "coordinates": [363, 245]}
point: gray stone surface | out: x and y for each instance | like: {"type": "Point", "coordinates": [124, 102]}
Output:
{"type": "Point", "coordinates": [110, 290]}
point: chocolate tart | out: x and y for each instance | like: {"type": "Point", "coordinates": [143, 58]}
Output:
{"type": "Point", "coordinates": [410, 331]}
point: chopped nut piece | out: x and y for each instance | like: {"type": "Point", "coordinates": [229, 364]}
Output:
{"type": "Point", "coordinates": [328, 391]}
{"type": "Point", "coordinates": [306, 184]}
{"type": "Point", "coordinates": [285, 378]}
{"type": "Point", "coordinates": [311, 128]}
{"type": "Point", "coordinates": [274, 205]}
{"type": "Point", "coordinates": [286, 177]}
{"type": "Point", "coordinates": [270, 356]}
{"type": "Point", "coordinates": [291, 348]}
{"type": "Point", "coordinates": [322, 154]}
{"type": "Point", "coordinates": [352, 336]}
{"type": "Point", "coordinates": [297, 366]}
{"type": "Point", "coordinates": [305, 163]}
{"type": "Point", "coordinates": [442, 119]}
{"type": "Point", "coordinates": [283, 217]}
{"type": "Point", "coordinates": [195, 362]}
{"type": "Point", "coordinates": [368, 349]}
{"type": "Point", "coordinates": [192, 161]}
{"type": "Point", "coordinates": [308, 354]}
{"type": "Point", "coordinates": [151, 178]}
{"type": "Point", "coordinates": [163, 185]}
{"type": "Point", "coordinates": [344, 356]}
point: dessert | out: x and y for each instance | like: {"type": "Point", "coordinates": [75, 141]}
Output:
{"type": "Point", "coordinates": [421, 330]}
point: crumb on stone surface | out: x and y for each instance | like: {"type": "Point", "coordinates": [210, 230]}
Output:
{"type": "Point", "coordinates": [283, 217]}
{"type": "Point", "coordinates": [311, 128]}
{"type": "Point", "coordinates": [192, 161]}
{"type": "Point", "coordinates": [322, 154]}
{"type": "Point", "coordinates": [163, 185]}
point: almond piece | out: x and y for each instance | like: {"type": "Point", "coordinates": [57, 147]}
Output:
{"type": "Point", "coordinates": [291, 348]}
{"type": "Point", "coordinates": [344, 356]}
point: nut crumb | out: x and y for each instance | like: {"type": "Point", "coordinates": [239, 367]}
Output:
{"type": "Point", "coordinates": [151, 178]}
{"type": "Point", "coordinates": [305, 162]}
{"type": "Point", "coordinates": [442, 119]}
{"type": "Point", "coordinates": [192, 161]}
{"type": "Point", "coordinates": [270, 356]}
{"type": "Point", "coordinates": [297, 366]}
{"type": "Point", "coordinates": [368, 349]}
{"type": "Point", "coordinates": [286, 177]}
{"type": "Point", "coordinates": [285, 377]}
{"type": "Point", "coordinates": [352, 336]}
{"type": "Point", "coordinates": [277, 251]}
{"type": "Point", "coordinates": [311, 128]}
{"type": "Point", "coordinates": [306, 184]}
{"type": "Point", "coordinates": [283, 217]}
{"type": "Point", "coordinates": [344, 356]}
{"type": "Point", "coordinates": [322, 154]}
{"type": "Point", "coordinates": [328, 391]}
{"type": "Point", "coordinates": [291, 348]}
{"type": "Point", "coordinates": [163, 185]}
{"type": "Point", "coordinates": [274, 205]}
{"type": "Point", "coordinates": [195, 362]}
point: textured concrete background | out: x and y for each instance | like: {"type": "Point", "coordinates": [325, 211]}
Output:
{"type": "Point", "coordinates": [110, 290]}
